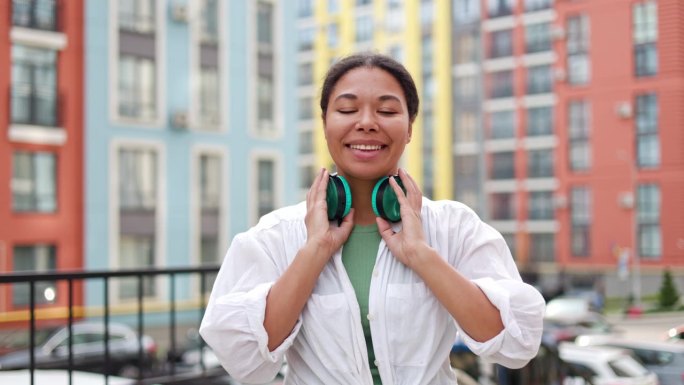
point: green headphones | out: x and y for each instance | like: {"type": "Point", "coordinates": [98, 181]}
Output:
{"type": "Point", "coordinates": [385, 202]}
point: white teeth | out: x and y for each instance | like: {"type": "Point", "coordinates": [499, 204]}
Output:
{"type": "Point", "coordinates": [365, 147]}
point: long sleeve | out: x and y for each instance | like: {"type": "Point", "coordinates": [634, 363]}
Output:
{"type": "Point", "coordinates": [233, 322]}
{"type": "Point", "coordinates": [486, 260]}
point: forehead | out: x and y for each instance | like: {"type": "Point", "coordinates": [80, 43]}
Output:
{"type": "Point", "coordinates": [368, 81]}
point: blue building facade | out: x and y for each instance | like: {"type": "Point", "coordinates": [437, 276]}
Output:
{"type": "Point", "coordinates": [189, 134]}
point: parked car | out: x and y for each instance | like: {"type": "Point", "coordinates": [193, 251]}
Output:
{"type": "Point", "coordinates": [602, 365]}
{"type": "Point", "coordinates": [571, 319]}
{"type": "Point", "coordinates": [54, 377]}
{"type": "Point", "coordinates": [666, 360]}
{"type": "Point", "coordinates": [88, 350]}
{"type": "Point", "coordinates": [676, 334]}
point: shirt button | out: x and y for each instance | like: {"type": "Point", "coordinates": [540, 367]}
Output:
{"type": "Point", "coordinates": [370, 317]}
{"type": "Point", "coordinates": [376, 363]}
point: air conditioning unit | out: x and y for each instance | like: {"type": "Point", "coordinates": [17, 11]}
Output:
{"type": "Point", "coordinates": [624, 110]}
{"type": "Point", "coordinates": [560, 201]}
{"type": "Point", "coordinates": [179, 120]}
{"type": "Point", "coordinates": [557, 32]}
{"type": "Point", "coordinates": [626, 200]}
{"type": "Point", "coordinates": [559, 74]}
{"type": "Point", "coordinates": [179, 13]}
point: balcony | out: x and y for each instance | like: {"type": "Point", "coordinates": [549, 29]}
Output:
{"type": "Point", "coordinates": [36, 14]}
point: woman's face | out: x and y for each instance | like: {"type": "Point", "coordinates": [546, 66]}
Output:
{"type": "Point", "coordinates": [367, 124]}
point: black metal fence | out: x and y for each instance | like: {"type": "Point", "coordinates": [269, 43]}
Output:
{"type": "Point", "coordinates": [168, 376]}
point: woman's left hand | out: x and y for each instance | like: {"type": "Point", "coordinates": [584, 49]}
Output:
{"type": "Point", "coordinates": [407, 244]}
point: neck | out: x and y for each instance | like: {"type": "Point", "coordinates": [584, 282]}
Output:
{"type": "Point", "coordinates": [361, 191]}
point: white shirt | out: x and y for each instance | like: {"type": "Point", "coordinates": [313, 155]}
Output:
{"type": "Point", "coordinates": [412, 332]}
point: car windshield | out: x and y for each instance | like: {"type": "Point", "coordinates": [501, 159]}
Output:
{"type": "Point", "coordinates": [20, 339]}
{"type": "Point", "coordinates": [627, 366]}
{"type": "Point", "coordinates": [566, 307]}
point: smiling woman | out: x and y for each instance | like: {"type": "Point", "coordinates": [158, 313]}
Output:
{"type": "Point", "coordinates": [343, 300]}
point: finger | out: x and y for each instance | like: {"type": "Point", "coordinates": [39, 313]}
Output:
{"type": "Point", "coordinates": [413, 192]}
{"type": "Point", "coordinates": [311, 194]}
{"type": "Point", "coordinates": [401, 196]}
{"type": "Point", "coordinates": [384, 228]}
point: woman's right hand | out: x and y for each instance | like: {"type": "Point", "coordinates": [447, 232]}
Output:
{"type": "Point", "coordinates": [322, 235]}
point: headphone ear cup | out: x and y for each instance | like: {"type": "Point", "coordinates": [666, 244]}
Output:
{"type": "Point", "coordinates": [338, 197]}
{"type": "Point", "coordinates": [385, 202]}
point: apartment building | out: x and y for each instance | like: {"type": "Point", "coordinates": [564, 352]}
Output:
{"type": "Point", "coordinates": [41, 157]}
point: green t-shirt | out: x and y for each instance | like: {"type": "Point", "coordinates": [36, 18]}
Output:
{"type": "Point", "coordinates": [358, 257]}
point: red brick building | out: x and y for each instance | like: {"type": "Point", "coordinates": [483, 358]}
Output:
{"type": "Point", "coordinates": [41, 149]}
{"type": "Point", "coordinates": [620, 115]}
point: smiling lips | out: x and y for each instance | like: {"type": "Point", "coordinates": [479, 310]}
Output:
{"type": "Point", "coordinates": [366, 151]}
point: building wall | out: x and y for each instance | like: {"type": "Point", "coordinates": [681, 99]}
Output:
{"type": "Point", "coordinates": [63, 227]}
{"type": "Point", "coordinates": [177, 221]}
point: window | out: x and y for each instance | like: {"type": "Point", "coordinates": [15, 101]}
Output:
{"type": "Point", "coordinates": [502, 166]}
{"type": "Point", "coordinates": [539, 80]}
{"type": "Point", "coordinates": [209, 21]}
{"type": "Point", "coordinates": [467, 47]}
{"type": "Point", "coordinates": [333, 35]}
{"type": "Point", "coordinates": [648, 219]}
{"type": "Point", "coordinates": [305, 108]}
{"type": "Point", "coordinates": [34, 86]}
{"type": "Point", "coordinates": [498, 8]}
{"type": "Point", "coordinates": [34, 182]}
{"type": "Point", "coordinates": [540, 121]}
{"type": "Point", "coordinates": [502, 206]}
{"type": "Point", "coordinates": [305, 38]}
{"type": "Point", "coordinates": [510, 242]}
{"type": "Point", "coordinates": [465, 11]}
{"type": "Point", "coordinates": [578, 135]}
{"type": "Point", "coordinates": [540, 163]}
{"type": "Point", "coordinates": [137, 190]}
{"type": "Point", "coordinates": [395, 20]}
{"type": "Point", "coordinates": [34, 258]}
{"type": "Point", "coordinates": [542, 247]}
{"type": "Point", "coordinates": [265, 64]}
{"type": "Point", "coordinates": [210, 192]}
{"type": "Point", "coordinates": [541, 205]}
{"type": "Point", "coordinates": [333, 6]}
{"type": "Point", "coordinates": [427, 14]}
{"type": "Point", "coordinates": [209, 97]}
{"type": "Point", "coordinates": [266, 193]}
{"type": "Point", "coordinates": [307, 174]}
{"type": "Point", "coordinates": [580, 216]}
{"type": "Point", "coordinates": [537, 38]}
{"type": "Point", "coordinates": [364, 29]}
{"type": "Point", "coordinates": [645, 26]}
{"type": "Point", "coordinates": [37, 14]}
{"type": "Point", "coordinates": [137, 87]}
{"type": "Point", "coordinates": [466, 88]}
{"type": "Point", "coordinates": [647, 141]}
{"type": "Point", "coordinates": [306, 142]}
{"type": "Point", "coordinates": [466, 127]}
{"type": "Point", "coordinates": [502, 125]}
{"type": "Point", "coordinates": [305, 8]}
{"type": "Point", "coordinates": [305, 74]}
{"type": "Point", "coordinates": [137, 16]}
{"type": "Point", "coordinates": [501, 44]}
{"type": "Point", "coordinates": [501, 84]}
{"type": "Point", "coordinates": [537, 5]}
{"type": "Point", "coordinates": [578, 50]}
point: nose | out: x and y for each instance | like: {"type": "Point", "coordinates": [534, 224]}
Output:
{"type": "Point", "coordinates": [367, 121]}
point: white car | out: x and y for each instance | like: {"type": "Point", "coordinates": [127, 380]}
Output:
{"type": "Point", "coordinates": [603, 366]}
{"type": "Point", "coordinates": [59, 377]}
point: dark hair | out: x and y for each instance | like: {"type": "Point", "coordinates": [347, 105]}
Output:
{"type": "Point", "coordinates": [371, 60]}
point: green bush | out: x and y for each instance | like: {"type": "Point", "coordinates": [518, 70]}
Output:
{"type": "Point", "coordinates": [668, 296]}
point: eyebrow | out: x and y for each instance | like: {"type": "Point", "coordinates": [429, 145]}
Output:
{"type": "Point", "coordinates": [354, 97]}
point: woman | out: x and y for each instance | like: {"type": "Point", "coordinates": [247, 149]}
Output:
{"type": "Point", "coordinates": [364, 300]}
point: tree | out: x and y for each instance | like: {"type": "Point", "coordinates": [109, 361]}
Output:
{"type": "Point", "coordinates": [668, 296]}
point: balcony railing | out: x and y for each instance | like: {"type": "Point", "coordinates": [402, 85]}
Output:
{"type": "Point", "coordinates": [169, 374]}
{"type": "Point", "coordinates": [36, 14]}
